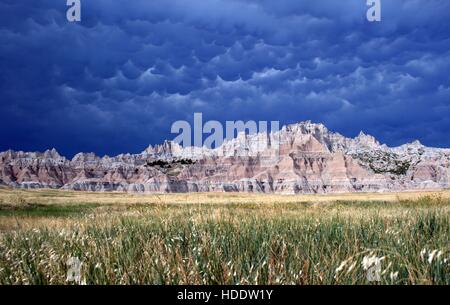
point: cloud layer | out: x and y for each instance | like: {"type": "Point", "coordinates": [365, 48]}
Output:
{"type": "Point", "coordinates": [116, 81]}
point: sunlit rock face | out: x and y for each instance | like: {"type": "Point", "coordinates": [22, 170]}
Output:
{"type": "Point", "coordinates": [300, 158]}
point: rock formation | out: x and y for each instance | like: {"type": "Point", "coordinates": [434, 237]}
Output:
{"type": "Point", "coordinates": [300, 158]}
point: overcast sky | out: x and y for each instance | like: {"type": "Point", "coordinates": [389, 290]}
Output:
{"type": "Point", "coordinates": [116, 81]}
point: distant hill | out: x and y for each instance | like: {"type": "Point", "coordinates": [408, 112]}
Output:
{"type": "Point", "coordinates": [300, 158]}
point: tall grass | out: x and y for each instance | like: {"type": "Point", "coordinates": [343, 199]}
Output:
{"type": "Point", "coordinates": [208, 245]}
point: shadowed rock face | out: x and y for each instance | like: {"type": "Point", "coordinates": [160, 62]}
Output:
{"type": "Point", "coordinates": [300, 158]}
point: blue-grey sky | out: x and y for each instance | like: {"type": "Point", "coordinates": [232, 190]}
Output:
{"type": "Point", "coordinates": [116, 81]}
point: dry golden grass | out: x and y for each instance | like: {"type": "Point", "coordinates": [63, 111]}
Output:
{"type": "Point", "coordinates": [223, 238]}
{"type": "Point", "coordinates": [28, 209]}
{"type": "Point", "coordinates": [46, 196]}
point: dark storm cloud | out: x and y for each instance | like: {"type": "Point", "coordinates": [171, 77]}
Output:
{"type": "Point", "coordinates": [116, 81]}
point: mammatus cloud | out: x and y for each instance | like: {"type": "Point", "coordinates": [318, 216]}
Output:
{"type": "Point", "coordinates": [117, 80]}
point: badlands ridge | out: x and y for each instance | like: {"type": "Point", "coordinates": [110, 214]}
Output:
{"type": "Point", "coordinates": [300, 158]}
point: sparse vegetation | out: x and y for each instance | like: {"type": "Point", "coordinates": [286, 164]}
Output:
{"type": "Point", "coordinates": [381, 162]}
{"type": "Point", "coordinates": [170, 167]}
{"type": "Point", "coordinates": [398, 168]}
{"type": "Point", "coordinates": [224, 238]}
{"type": "Point", "coordinates": [169, 164]}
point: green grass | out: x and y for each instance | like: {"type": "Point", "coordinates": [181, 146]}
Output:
{"type": "Point", "coordinates": [223, 239]}
{"type": "Point", "coordinates": [188, 247]}
{"type": "Point", "coordinates": [46, 210]}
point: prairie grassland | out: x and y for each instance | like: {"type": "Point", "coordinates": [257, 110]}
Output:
{"type": "Point", "coordinates": [224, 238]}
